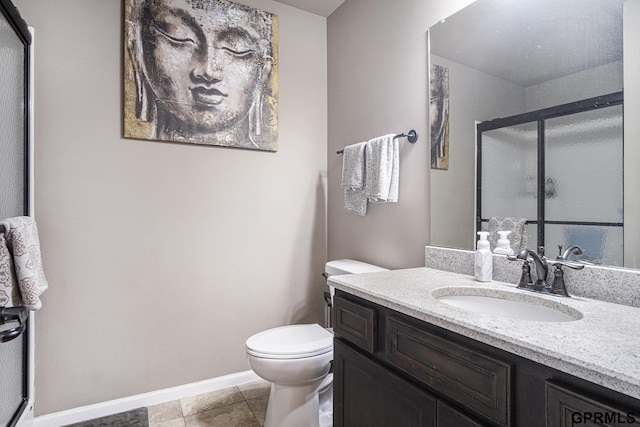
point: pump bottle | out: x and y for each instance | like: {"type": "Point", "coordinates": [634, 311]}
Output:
{"type": "Point", "coordinates": [483, 268]}
{"type": "Point", "coordinates": [504, 245]}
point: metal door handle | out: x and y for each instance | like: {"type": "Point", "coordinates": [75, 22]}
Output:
{"type": "Point", "coordinates": [13, 314]}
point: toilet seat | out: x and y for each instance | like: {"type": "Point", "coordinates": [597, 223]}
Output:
{"type": "Point", "coordinates": [291, 342]}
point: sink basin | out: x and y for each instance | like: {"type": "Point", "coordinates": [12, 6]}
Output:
{"type": "Point", "coordinates": [515, 305]}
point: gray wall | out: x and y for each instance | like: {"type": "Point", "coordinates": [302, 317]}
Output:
{"type": "Point", "coordinates": [474, 96]}
{"type": "Point", "coordinates": [163, 258]}
{"type": "Point", "coordinates": [631, 132]}
{"type": "Point", "coordinates": [575, 87]}
{"type": "Point", "coordinates": [378, 85]}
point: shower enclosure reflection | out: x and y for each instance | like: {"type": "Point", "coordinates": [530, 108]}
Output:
{"type": "Point", "coordinates": [546, 167]}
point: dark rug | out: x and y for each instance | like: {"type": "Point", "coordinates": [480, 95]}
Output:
{"type": "Point", "coordinates": [134, 418]}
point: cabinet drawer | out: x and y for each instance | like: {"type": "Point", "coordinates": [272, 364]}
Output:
{"type": "Point", "coordinates": [356, 323]}
{"type": "Point", "coordinates": [565, 408]}
{"type": "Point", "coordinates": [475, 381]}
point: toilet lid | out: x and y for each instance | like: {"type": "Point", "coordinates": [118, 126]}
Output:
{"type": "Point", "coordinates": [294, 341]}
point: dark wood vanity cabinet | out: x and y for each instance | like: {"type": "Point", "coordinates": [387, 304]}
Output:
{"type": "Point", "coordinates": [394, 370]}
{"type": "Point", "coordinates": [375, 397]}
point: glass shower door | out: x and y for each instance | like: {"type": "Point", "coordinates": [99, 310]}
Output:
{"type": "Point", "coordinates": [509, 175]}
{"type": "Point", "coordinates": [561, 169]}
{"type": "Point", "coordinates": [14, 134]}
{"type": "Point", "coordinates": [13, 384]}
{"type": "Point", "coordinates": [584, 185]}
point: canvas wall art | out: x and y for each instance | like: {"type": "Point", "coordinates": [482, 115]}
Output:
{"type": "Point", "coordinates": [201, 72]}
{"type": "Point", "coordinates": [439, 116]}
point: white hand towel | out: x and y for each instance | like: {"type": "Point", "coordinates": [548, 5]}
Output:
{"type": "Point", "coordinates": [23, 245]}
{"type": "Point", "coordinates": [383, 169]}
{"type": "Point", "coordinates": [353, 178]}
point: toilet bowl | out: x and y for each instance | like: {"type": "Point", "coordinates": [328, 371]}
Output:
{"type": "Point", "coordinates": [296, 359]}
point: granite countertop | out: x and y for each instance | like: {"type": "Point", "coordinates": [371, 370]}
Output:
{"type": "Point", "coordinates": [602, 347]}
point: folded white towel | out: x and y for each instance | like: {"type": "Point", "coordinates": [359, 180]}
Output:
{"type": "Point", "coordinates": [353, 178]}
{"type": "Point", "coordinates": [383, 169]}
{"type": "Point", "coordinates": [20, 252]}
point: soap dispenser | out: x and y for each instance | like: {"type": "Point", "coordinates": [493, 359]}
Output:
{"type": "Point", "coordinates": [483, 268]}
{"type": "Point", "coordinates": [504, 245]}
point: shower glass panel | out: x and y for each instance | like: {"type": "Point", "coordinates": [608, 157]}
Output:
{"type": "Point", "coordinates": [12, 121]}
{"type": "Point", "coordinates": [13, 390]}
{"type": "Point", "coordinates": [600, 244]}
{"type": "Point", "coordinates": [579, 147]}
{"type": "Point", "coordinates": [509, 171]}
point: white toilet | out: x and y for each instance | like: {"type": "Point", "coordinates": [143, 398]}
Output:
{"type": "Point", "coordinates": [296, 360]}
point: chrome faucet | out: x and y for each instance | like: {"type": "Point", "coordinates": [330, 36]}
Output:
{"type": "Point", "coordinates": [571, 250]}
{"type": "Point", "coordinates": [541, 263]}
{"type": "Point", "coordinates": [541, 266]}
{"type": "Point", "coordinates": [558, 287]}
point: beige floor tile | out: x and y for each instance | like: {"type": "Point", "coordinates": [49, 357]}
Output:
{"type": "Point", "coordinates": [207, 401]}
{"type": "Point", "coordinates": [255, 389]}
{"type": "Point", "coordinates": [234, 415]}
{"type": "Point", "coordinates": [165, 411]}
{"type": "Point", "coordinates": [259, 407]}
{"type": "Point", "coordinates": [178, 422]}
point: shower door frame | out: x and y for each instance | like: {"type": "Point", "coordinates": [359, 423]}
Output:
{"type": "Point", "coordinates": [540, 117]}
{"type": "Point", "coordinates": [24, 412]}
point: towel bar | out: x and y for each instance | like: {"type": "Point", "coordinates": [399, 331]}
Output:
{"type": "Point", "coordinates": [13, 314]}
{"type": "Point", "coordinates": [412, 137]}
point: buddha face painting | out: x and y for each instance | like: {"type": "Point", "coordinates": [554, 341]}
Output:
{"type": "Point", "coordinates": [203, 72]}
{"type": "Point", "coordinates": [439, 116]}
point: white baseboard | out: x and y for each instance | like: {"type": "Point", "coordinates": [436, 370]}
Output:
{"type": "Point", "coordinates": [111, 407]}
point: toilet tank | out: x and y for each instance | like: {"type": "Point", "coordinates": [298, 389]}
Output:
{"type": "Point", "coordinates": [350, 266]}
{"type": "Point", "coordinates": [343, 266]}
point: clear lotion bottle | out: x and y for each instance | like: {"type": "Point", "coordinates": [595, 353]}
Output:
{"type": "Point", "coordinates": [483, 268]}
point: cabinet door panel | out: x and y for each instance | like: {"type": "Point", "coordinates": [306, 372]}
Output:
{"type": "Point", "coordinates": [356, 323]}
{"type": "Point", "coordinates": [473, 380]}
{"type": "Point", "coordinates": [449, 417]}
{"type": "Point", "coordinates": [367, 395]}
{"type": "Point", "coordinates": [565, 408]}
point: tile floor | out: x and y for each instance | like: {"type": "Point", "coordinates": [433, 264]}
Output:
{"type": "Point", "coordinates": [241, 406]}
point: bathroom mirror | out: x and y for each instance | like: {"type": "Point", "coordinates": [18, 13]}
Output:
{"type": "Point", "coordinates": [507, 58]}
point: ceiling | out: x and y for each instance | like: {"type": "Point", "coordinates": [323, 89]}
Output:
{"type": "Point", "coordinates": [318, 7]}
{"type": "Point", "coordinates": [525, 42]}
{"type": "Point", "coordinates": [529, 42]}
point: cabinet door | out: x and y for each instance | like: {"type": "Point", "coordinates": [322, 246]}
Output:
{"type": "Point", "coordinates": [449, 417]}
{"type": "Point", "coordinates": [566, 408]}
{"type": "Point", "coordinates": [367, 395]}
